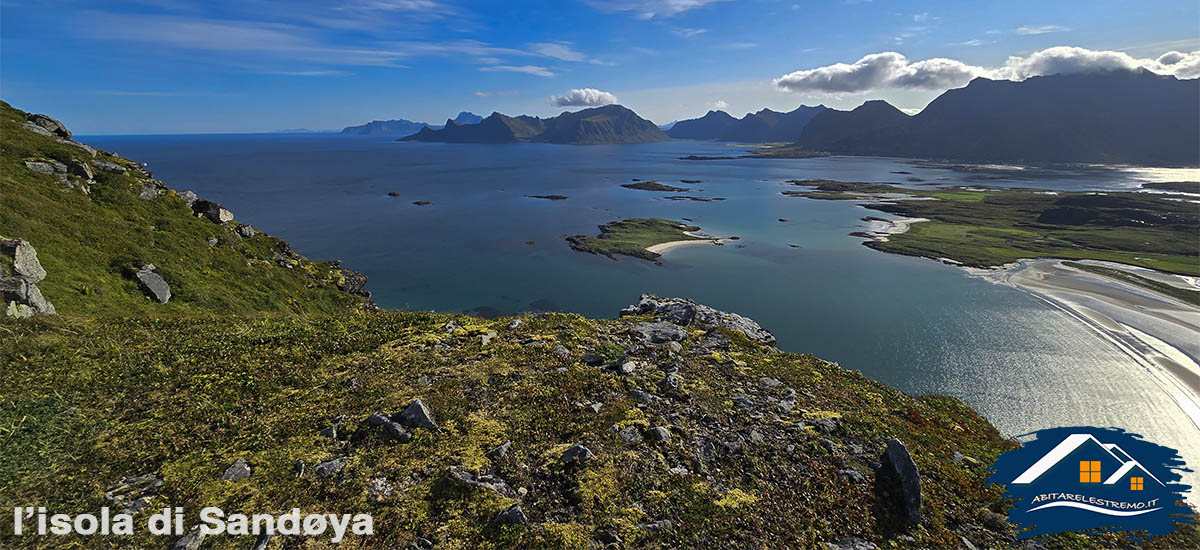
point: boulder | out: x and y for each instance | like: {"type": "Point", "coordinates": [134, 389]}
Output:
{"type": "Point", "coordinates": [658, 433]}
{"type": "Point", "coordinates": [261, 542]}
{"type": "Point", "coordinates": [110, 167]}
{"type": "Point", "coordinates": [331, 468]}
{"type": "Point", "coordinates": [153, 284]}
{"type": "Point", "coordinates": [900, 463]}
{"type": "Point", "coordinates": [577, 454]}
{"type": "Point", "coordinates": [53, 126]}
{"type": "Point", "coordinates": [500, 451]}
{"type": "Point", "coordinates": [20, 272]}
{"type": "Point", "coordinates": [630, 435]}
{"type": "Point", "coordinates": [659, 332]}
{"type": "Point", "coordinates": [246, 231]}
{"type": "Point", "coordinates": [211, 210]}
{"type": "Point", "coordinates": [189, 198]}
{"type": "Point", "coordinates": [92, 151]}
{"type": "Point", "coordinates": [37, 129]}
{"type": "Point", "coordinates": [685, 312]}
{"type": "Point", "coordinates": [190, 541]}
{"type": "Point", "coordinates": [510, 516]}
{"type": "Point", "coordinates": [81, 169]}
{"type": "Point", "coordinates": [379, 489]}
{"type": "Point", "coordinates": [237, 471]}
{"type": "Point", "coordinates": [418, 415]}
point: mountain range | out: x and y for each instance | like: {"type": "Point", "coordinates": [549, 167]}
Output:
{"type": "Point", "coordinates": [597, 125]}
{"type": "Point", "coordinates": [1123, 117]}
{"type": "Point", "coordinates": [765, 125]}
{"type": "Point", "coordinates": [402, 127]}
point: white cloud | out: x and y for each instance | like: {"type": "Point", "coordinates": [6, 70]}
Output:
{"type": "Point", "coordinates": [893, 70]}
{"type": "Point", "coordinates": [879, 70]}
{"type": "Point", "coordinates": [649, 9]}
{"type": "Point", "coordinates": [1040, 29]}
{"type": "Point", "coordinates": [527, 69]}
{"type": "Point", "coordinates": [483, 94]}
{"type": "Point", "coordinates": [580, 97]}
{"type": "Point", "coordinates": [1069, 59]}
{"type": "Point", "coordinates": [742, 45]}
{"type": "Point", "coordinates": [721, 104]}
{"type": "Point", "coordinates": [688, 33]}
{"type": "Point", "coordinates": [970, 43]}
{"type": "Point", "coordinates": [558, 50]}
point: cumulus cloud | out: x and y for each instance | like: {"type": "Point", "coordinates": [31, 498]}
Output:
{"type": "Point", "coordinates": [583, 97]}
{"type": "Point", "coordinates": [880, 70]}
{"type": "Point", "coordinates": [527, 69]}
{"type": "Point", "coordinates": [721, 104]}
{"type": "Point", "coordinates": [1040, 29]}
{"type": "Point", "coordinates": [893, 70]}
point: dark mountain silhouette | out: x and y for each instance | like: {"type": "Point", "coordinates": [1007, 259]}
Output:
{"type": "Point", "coordinates": [467, 117]}
{"type": "Point", "coordinates": [1128, 117]}
{"type": "Point", "coordinates": [765, 125]}
{"type": "Point", "coordinates": [607, 124]}
{"type": "Point", "coordinates": [399, 127]}
{"type": "Point", "coordinates": [829, 128]}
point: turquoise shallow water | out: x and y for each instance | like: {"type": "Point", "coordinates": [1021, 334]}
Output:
{"type": "Point", "coordinates": [912, 323]}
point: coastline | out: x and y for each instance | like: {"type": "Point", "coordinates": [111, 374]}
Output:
{"type": "Point", "coordinates": [1156, 331]}
{"type": "Point", "coordinates": [662, 248]}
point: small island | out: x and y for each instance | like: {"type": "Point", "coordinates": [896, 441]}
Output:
{"type": "Point", "coordinates": [645, 238]}
{"type": "Point", "coordinates": [548, 197]}
{"type": "Point", "coordinates": [1192, 187]}
{"type": "Point", "coordinates": [653, 186]}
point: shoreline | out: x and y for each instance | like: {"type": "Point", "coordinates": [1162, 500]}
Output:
{"type": "Point", "coordinates": [662, 248]}
{"type": "Point", "coordinates": [1158, 332]}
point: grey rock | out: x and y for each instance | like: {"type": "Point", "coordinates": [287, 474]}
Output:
{"type": "Point", "coordinates": [190, 541]}
{"type": "Point", "coordinates": [153, 284]}
{"type": "Point", "coordinates": [767, 382]}
{"type": "Point", "coordinates": [450, 327]}
{"type": "Point", "coordinates": [756, 437]}
{"type": "Point", "coordinates": [189, 198]}
{"type": "Point", "coordinates": [659, 332]}
{"type": "Point", "coordinates": [607, 537]}
{"type": "Point", "coordinates": [786, 405]}
{"type": "Point", "coordinates": [37, 129]}
{"type": "Point", "coordinates": [850, 543]}
{"type": "Point", "coordinates": [641, 396]}
{"type": "Point", "coordinates": [510, 516]}
{"type": "Point", "coordinates": [92, 151]}
{"type": "Point", "coordinates": [852, 475]}
{"type": "Point", "coordinates": [657, 526]}
{"type": "Point", "coordinates": [561, 351]}
{"type": "Point", "coordinates": [897, 458]}
{"type": "Point", "coordinates": [688, 313]}
{"type": "Point", "coordinates": [826, 425]}
{"type": "Point", "coordinates": [237, 471]}
{"type": "Point", "coordinates": [330, 432]}
{"type": "Point", "coordinates": [54, 126]}
{"type": "Point", "coordinates": [212, 241]}
{"type": "Point", "coordinates": [658, 433]}
{"type": "Point", "coordinates": [630, 435]}
{"type": "Point", "coordinates": [486, 339]}
{"type": "Point", "coordinates": [246, 231]}
{"type": "Point", "coordinates": [133, 494]}
{"type": "Point", "coordinates": [212, 211]}
{"type": "Point", "coordinates": [110, 167]}
{"type": "Point", "coordinates": [379, 489]}
{"type": "Point", "coordinates": [967, 545]}
{"type": "Point", "coordinates": [353, 281]}
{"type": "Point", "coordinates": [500, 451]}
{"type": "Point", "coordinates": [482, 481]}
{"type": "Point", "coordinates": [331, 468]}
{"type": "Point", "coordinates": [424, 381]}
{"type": "Point", "coordinates": [49, 167]}
{"type": "Point", "coordinates": [743, 402]}
{"type": "Point", "coordinates": [393, 431]}
{"type": "Point", "coordinates": [592, 359]}
{"type": "Point", "coordinates": [23, 259]}
{"type": "Point", "coordinates": [595, 407]}
{"type": "Point", "coordinates": [81, 169]}
{"type": "Point", "coordinates": [577, 454]}
{"type": "Point", "coordinates": [515, 323]}
{"type": "Point", "coordinates": [261, 542]}
{"type": "Point", "coordinates": [378, 419]}
{"type": "Point", "coordinates": [627, 367]}
{"type": "Point", "coordinates": [675, 347]}
{"type": "Point", "coordinates": [418, 415]}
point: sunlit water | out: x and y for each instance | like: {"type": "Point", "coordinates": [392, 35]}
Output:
{"type": "Point", "coordinates": [913, 323]}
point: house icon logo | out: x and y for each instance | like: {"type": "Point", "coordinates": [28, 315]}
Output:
{"type": "Point", "coordinates": [1071, 479]}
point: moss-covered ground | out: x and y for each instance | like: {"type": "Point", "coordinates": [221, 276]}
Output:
{"type": "Point", "coordinates": [633, 236]}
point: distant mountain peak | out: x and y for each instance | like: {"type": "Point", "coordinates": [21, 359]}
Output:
{"type": "Point", "coordinates": [604, 124]}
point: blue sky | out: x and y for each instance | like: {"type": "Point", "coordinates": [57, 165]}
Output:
{"type": "Point", "coordinates": [173, 66]}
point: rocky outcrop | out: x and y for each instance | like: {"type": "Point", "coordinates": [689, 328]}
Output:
{"type": "Point", "coordinates": [899, 465]}
{"type": "Point", "coordinates": [354, 282]}
{"type": "Point", "coordinates": [684, 312]}
{"type": "Point", "coordinates": [76, 175]}
{"type": "Point", "coordinates": [20, 273]}
{"type": "Point", "coordinates": [50, 125]}
{"type": "Point", "coordinates": [153, 284]}
{"type": "Point", "coordinates": [212, 211]}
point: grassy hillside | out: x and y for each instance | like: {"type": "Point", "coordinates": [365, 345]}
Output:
{"type": "Point", "coordinates": [91, 243]}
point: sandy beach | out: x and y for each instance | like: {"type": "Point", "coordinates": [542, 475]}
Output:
{"type": "Point", "coordinates": [662, 248]}
{"type": "Point", "coordinates": [880, 229]}
{"type": "Point", "coordinates": [1160, 334]}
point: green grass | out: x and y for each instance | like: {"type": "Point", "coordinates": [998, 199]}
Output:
{"type": "Point", "coordinates": [90, 243]}
{"type": "Point", "coordinates": [996, 226]}
{"type": "Point", "coordinates": [633, 236]}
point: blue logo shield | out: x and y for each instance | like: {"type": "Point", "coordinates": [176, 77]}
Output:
{"type": "Point", "coordinates": [1072, 479]}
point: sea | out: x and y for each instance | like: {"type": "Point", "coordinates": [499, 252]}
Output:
{"type": "Point", "coordinates": [482, 245]}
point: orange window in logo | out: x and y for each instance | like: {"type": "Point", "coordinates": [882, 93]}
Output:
{"type": "Point", "coordinates": [1135, 484]}
{"type": "Point", "coordinates": [1089, 471]}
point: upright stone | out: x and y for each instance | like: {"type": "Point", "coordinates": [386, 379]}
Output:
{"type": "Point", "coordinates": [897, 458]}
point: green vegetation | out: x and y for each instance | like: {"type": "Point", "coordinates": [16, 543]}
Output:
{"type": "Point", "coordinates": [632, 237]}
{"type": "Point", "coordinates": [653, 186]}
{"type": "Point", "coordinates": [986, 227]}
{"type": "Point", "coordinates": [1181, 294]}
{"type": "Point", "coordinates": [91, 243]}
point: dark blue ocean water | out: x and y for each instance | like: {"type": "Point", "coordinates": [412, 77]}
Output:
{"type": "Point", "coordinates": [913, 323]}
